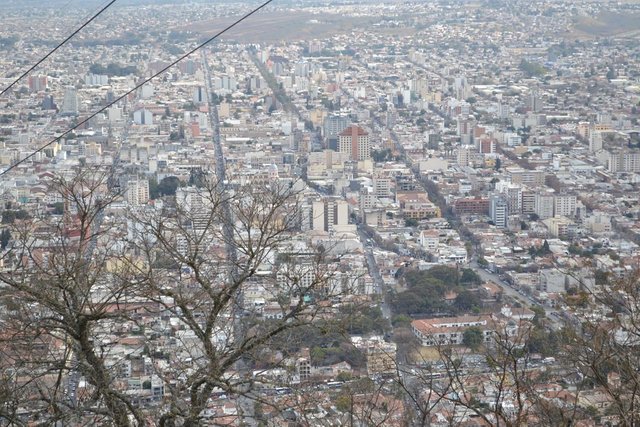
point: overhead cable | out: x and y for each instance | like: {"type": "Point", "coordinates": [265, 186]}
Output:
{"type": "Point", "coordinates": [62, 43]}
{"type": "Point", "coordinates": [138, 86]}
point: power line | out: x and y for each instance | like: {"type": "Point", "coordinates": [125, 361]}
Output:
{"type": "Point", "coordinates": [139, 85]}
{"type": "Point", "coordinates": [57, 47]}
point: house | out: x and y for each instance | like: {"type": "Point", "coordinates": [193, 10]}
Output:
{"type": "Point", "coordinates": [450, 330]}
{"type": "Point", "coordinates": [521, 313]}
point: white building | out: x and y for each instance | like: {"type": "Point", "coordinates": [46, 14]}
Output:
{"type": "Point", "coordinates": [137, 192]}
{"type": "Point", "coordinates": [544, 205]}
{"type": "Point", "coordinates": [70, 101]}
{"type": "Point", "coordinates": [499, 210]}
{"type": "Point", "coordinates": [450, 330]}
{"type": "Point", "coordinates": [565, 205]}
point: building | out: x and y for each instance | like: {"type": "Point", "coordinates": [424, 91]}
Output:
{"type": "Point", "coordinates": [329, 214]}
{"type": "Point", "coordinates": [70, 101]}
{"type": "Point", "coordinates": [382, 187]}
{"type": "Point", "coordinates": [565, 205]}
{"type": "Point", "coordinates": [499, 210]}
{"type": "Point", "coordinates": [430, 240]}
{"type": "Point", "coordinates": [531, 178]}
{"type": "Point", "coordinates": [624, 161]}
{"type": "Point", "coordinates": [534, 102]}
{"type": "Point", "coordinates": [471, 206]}
{"type": "Point", "coordinates": [143, 117]}
{"type": "Point", "coordinates": [558, 226]}
{"type": "Point", "coordinates": [355, 142]}
{"type": "Point", "coordinates": [544, 205]}
{"type": "Point", "coordinates": [199, 95]}
{"type": "Point", "coordinates": [416, 205]}
{"type": "Point", "coordinates": [96, 80]}
{"type": "Point", "coordinates": [37, 83]}
{"type": "Point", "coordinates": [595, 142]}
{"type": "Point", "coordinates": [463, 156]}
{"type": "Point", "coordinates": [512, 194]}
{"type": "Point", "coordinates": [450, 330]}
{"type": "Point", "coordinates": [137, 192]}
{"type": "Point", "coordinates": [598, 223]}
{"type": "Point", "coordinates": [527, 202]}
{"type": "Point", "coordinates": [486, 145]}
{"type": "Point", "coordinates": [381, 355]}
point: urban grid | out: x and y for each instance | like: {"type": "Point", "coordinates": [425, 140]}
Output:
{"type": "Point", "coordinates": [320, 213]}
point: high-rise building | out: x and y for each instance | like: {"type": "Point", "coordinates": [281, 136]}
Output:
{"type": "Point", "coordinates": [143, 117]}
{"type": "Point", "coordinates": [544, 205]}
{"type": "Point", "coordinates": [624, 161]}
{"type": "Point", "coordinates": [48, 103]}
{"type": "Point", "coordinates": [499, 210]}
{"type": "Point", "coordinates": [96, 80]}
{"type": "Point", "coordinates": [355, 142]}
{"type": "Point", "coordinates": [137, 192]}
{"type": "Point", "coordinates": [225, 83]}
{"type": "Point", "coordinates": [527, 202]}
{"type": "Point", "coordinates": [463, 156]}
{"type": "Point", "coordinates": [382, 187]}
{"type": "Point", "coordinates": [595, 142]}
{"type": "Point", "coordinates": [565, 205]}
{"type": "Point", "coordinates": [70, 101]}
{"type": "Point", "coordinates": [512, 195]}
{"type": "Point", "coordinates": [37, 83]}
{"type": "Point", "coordinates": [199, 95]}
{"type": "Point", "coordinates": [335, 124]}
{"type": "Point", "coordinates": [534, 102]}
{"type": "Point", "coordinates": [329, 213]}
{"type": "Point", "coordinates": [466, 124]}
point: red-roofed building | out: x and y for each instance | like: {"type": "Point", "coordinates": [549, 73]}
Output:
{"type": "Point", "coordinates": [355, 142]}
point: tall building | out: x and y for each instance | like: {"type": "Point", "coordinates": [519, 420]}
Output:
{"type": "Point", "coordinates": [527, 202]}
{"type": "Point", "coordinates": [544, 205]}
{"type": "Point", "coordinates": [499, 210]}
{"type": "Point", "coordinates": [355, 142]}
{"type": "Point", "coordinates": [595, 142]}
{"type": "Point", "coordinates": [512, 195]}
{"type": "Point", "coordinates": [466, 124]}
{"type": "Point", "coordinates": [96, 80]}
{"type": "Point", "coordinates": [534, 102]}
{"type": "Point", "coordinates": [48, 103]}
{"type": "Point", "coordinates": [70, 101]}
{"type": "Point", "coordinates": [335, 124]}
{"type": "Point", "coordinates": [137, 192]}
{"type": "Point", "coordinates": [199, 95]}
{"type": "Point", "coordinates": [37, 83]}
{"type": "Point", "coordinates": [565, 205]}
{"type": "Point", "coordinates": [624, 161]}
{"type": "Point", "coordinates": [225, 83]}
{"type": "Point", "coordinates": [463, 156]}
{"type": "Point", "coordinates": [382, 187]}
{"type": "Point", "coordinates": [143, 117]}
{"type": "Point", "coordinates": [329, 213]}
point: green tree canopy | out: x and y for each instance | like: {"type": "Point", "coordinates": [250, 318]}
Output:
{"type": "Point", "coordinates": [168, 186]}
{"type": "Point", "coordinates": [472, 337]}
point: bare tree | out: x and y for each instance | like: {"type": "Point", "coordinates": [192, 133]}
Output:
{"type": "Point", "coordinates": [497, 384]}
{"type": "Point", "coordinates": [58, 290]}
{"type": "Point", "coordinates": [225, 245]}
{"type": "Point", "coordinates": [605, 348]}
{"type": "Point", "coordinates": [192, 293]}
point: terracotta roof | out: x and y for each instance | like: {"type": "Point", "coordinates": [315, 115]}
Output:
{"type": "Point", "coordinates": [354, 130]}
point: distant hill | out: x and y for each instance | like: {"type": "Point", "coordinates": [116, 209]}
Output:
{"type": "Point", "coordinates": [608, 24]}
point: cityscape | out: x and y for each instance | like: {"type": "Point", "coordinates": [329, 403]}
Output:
{"type": "Point", "coordinates": [320, 213]}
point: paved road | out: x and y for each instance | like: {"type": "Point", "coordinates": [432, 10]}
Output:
{"type": "Point", "coordinates": [552, 314]}
{"type": "Point", "coordinates": [246, 405]}
{"type": "Point", "coordinates": [374, 271]}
